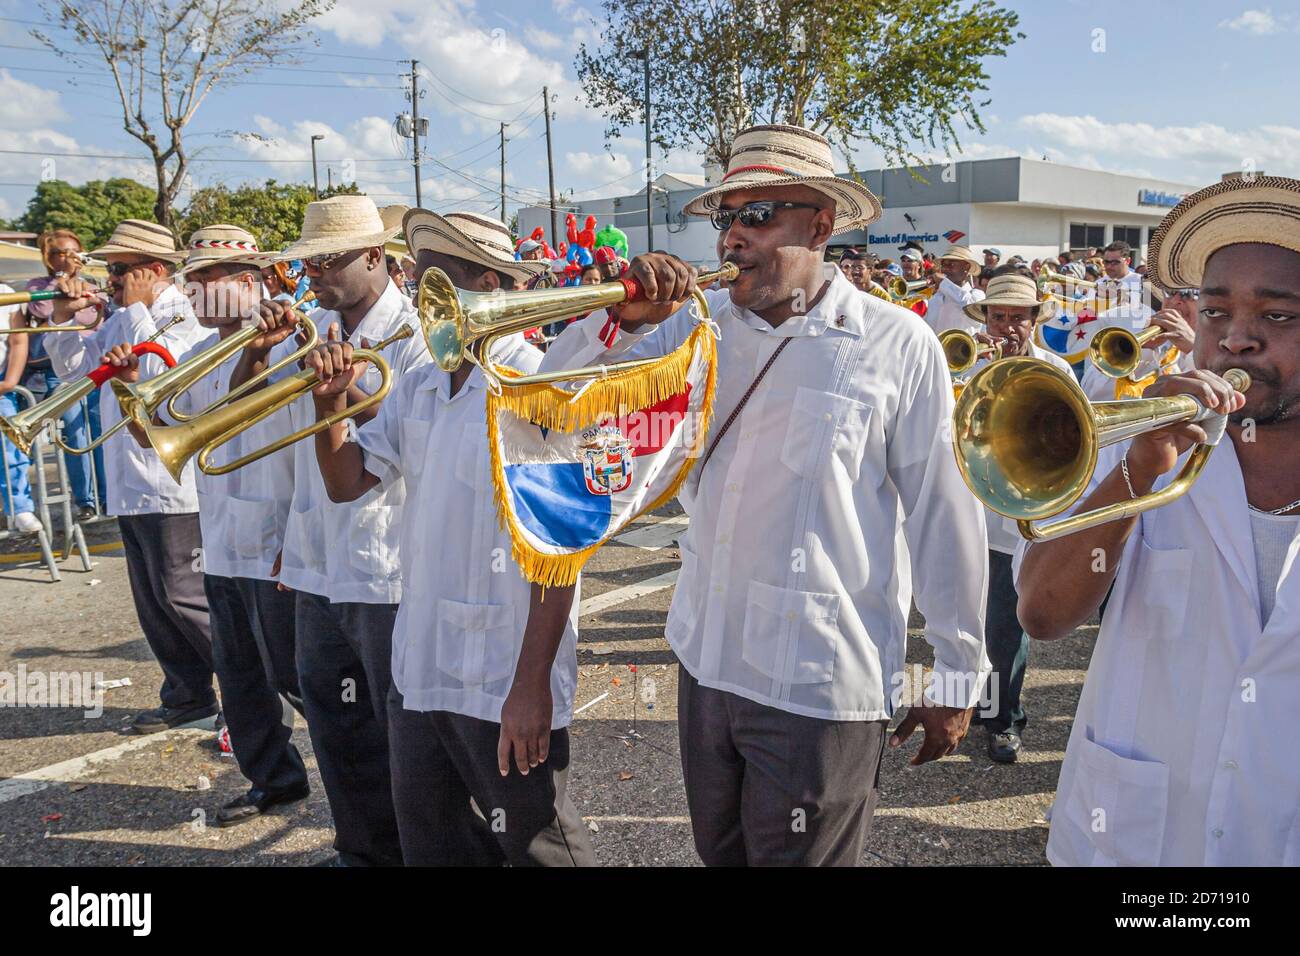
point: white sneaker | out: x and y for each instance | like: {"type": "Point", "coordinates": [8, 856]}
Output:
{"type": "Point", "coordinates": [26, 522]}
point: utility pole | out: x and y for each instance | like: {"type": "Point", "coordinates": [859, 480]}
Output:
{"type": "Point", "coordinates": [550, 167]}
{"type": "Point", "coordinates": [415, 128]}
{"type": "Point", "coordinates": [315, 177]}
{"type": "Point", "coordinates": [649, 179]}
{"type": "Point", "coordinates": [503, 174]}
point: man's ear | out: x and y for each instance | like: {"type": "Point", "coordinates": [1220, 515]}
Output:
{"type": "Point", "coordinates": [823, 222]}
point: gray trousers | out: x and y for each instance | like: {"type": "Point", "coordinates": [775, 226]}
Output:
{"type": "Point", "coordinates": [344, 670]}
{"type": "Point", "coordinates": [443, 760]}
{"type": "Point", "coordinates": [252, 652]}
{"type": "Point", "coordinates": [162, 564]}
{"type": "Point", "coordinates": [770, 788]}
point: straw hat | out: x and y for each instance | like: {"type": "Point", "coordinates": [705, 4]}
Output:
{"type": "Point", "coordinates": [1264, 209]}
{"type": "Point", "coordinates": [468, 235]}
{"type": "Point", "coordinates": [223, 243]}
{"type": "Point", "coordinates": [790, 156]}
{"type": "Point", "coordinates": [344, 223]}
{"type": "Point", "coordinates": [1009, 290]}
{"type": "Point", "coordinates": [138, 237]}
{"type": "Point", "coordinates": [962, 254]}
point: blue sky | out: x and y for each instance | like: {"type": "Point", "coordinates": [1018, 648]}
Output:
{"type": "Point", "coordinates": [1181, 91]}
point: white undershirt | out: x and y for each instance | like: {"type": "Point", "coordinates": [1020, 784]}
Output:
{"type": "Point", "coordinates": [1272, 535]}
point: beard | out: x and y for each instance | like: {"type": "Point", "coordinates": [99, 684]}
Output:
{"type": "Point", "coordinates": [1281, 409]}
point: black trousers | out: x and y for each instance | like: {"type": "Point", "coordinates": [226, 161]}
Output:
{"type": "Point", "coordinates": [345, 670]}
{"type": "Point", "coordinates": [443, 761]}
{"type": "Point", "coordinates": [1008, 649]}
{"type": "Point", "coordinates": [164, 568]}
{"type": "Point", "coordinates": [770, 788]}
{"type": "Point", "coordinates": [253, 654]}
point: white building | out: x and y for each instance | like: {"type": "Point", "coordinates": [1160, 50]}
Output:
{"type": "Point", "coordinates": [1021, 206]}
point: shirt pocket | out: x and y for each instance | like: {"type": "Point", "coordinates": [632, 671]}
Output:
{"type": "Point", "coordinates": [825, 427]}
{"type": "Point", "coordinates": [791, 636]}
{"type": "Point", "coordinates": [369, 548]}
{"type": "Point", "coordinates": [477, 643]}
{"type": "Point", "coordinates": [252, 527]}
{"type": "Point", "coordinates": [1119, 805]}
{"type": "Point", "coordinates": [415, 445]}
{"type": "Point", "coordinates": [1159, 609]}
{"type": "Point", "coordinates": [304, 537]}
{"type": "Point", "coordinates": [471, 456]}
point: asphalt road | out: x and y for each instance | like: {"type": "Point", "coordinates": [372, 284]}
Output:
{"type": "Point", "coordinates": [75, 789]}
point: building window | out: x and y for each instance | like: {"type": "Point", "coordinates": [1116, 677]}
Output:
{"type": "Point", "coordinates": [1130, 234]}
{"type": "Point", "coordinates": [1083, 235]}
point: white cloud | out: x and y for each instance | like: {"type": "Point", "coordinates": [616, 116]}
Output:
{"type": "Point", "coordinates": [1255, 22]}
{"type": "Point", "coordinates": [27, 106]}
{"type": "Point", "coordinates": [598, 168]}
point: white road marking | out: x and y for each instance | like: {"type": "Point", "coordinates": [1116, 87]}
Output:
{"type": "Point", "coordinates": [623, 818]}
{"type": "Point", "coordinates": [629, 592]}
{"type": "Point", "coordinates": [655, 537]}
{"type": "Point", "coordinates": [70, 771]}
{"type": "Point", "coordinates": [591, 703]}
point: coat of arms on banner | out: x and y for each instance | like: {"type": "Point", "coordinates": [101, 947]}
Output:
{"type": "Point", "coordinates": [606, 460]}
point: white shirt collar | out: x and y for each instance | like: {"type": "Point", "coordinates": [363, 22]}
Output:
{"type": "Point", "coordinates": [840, 308]}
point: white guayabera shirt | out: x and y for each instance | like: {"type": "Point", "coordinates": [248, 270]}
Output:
{"type": "Point", "coordinates": [460, 627]}
{"type": "Point", "coordinates": [944, 308]}
{"type": "Point", "coordinates": [137, 482]}
{"type": "Point", "coordinates": [348, 552]}
{"type": "Point", "coordinates": [794, 590]}
{"type": "Point", "coordinates": [1182, 751]}
{"type": "Point", "coordinates": [242, 515]}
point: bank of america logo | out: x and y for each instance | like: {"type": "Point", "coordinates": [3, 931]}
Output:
{"type": "Point", "coordinates": [952, 235]}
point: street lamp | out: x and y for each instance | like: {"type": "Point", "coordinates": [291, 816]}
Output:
{"type": "Point", "coordinates": [315, 179]}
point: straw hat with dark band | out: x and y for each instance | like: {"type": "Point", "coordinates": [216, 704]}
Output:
{"type": "Point", "coordinates": [1006, 290]}
{"type": "Point", "coordinates": [468, 235]}
{"type": "Point", "coordinates": [342, 224]}
{"type": "Point", "coordinates": [141, 238]}
{"type": "Point", "coordinates": [962, 254]}
{"type": "Point", "coordinates": [790, 156]}
{"type": "Point", "coordinates": [1265, 209]}
{"type": "Point", "coordinates": [223, 243]}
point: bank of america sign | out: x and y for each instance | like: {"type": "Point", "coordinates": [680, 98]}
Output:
{"type": "Point", "coordinates": [1154, 197]}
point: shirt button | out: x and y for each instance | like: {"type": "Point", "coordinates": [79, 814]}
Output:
{"type": "Point", "coordinates": [731, 487]}
{"type": "Point", "coordinates": [723, 539]}
{"type": "Point", "coordinates": [1217, 833]}
{"type": "Point", "coordinates": [827, 416]}
{"type": "Point", "coordinates": [1230, 765]}
{"type": "Point", "coordinates": [789, 615]}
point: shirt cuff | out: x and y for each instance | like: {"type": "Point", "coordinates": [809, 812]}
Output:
{"type": "Point", "coordinates": [949, 687]}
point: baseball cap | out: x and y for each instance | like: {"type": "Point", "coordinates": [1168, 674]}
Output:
{"type": "Point", "coordinates": [993, 252]}
{"type": "Point", "coordinates": [911, 254]}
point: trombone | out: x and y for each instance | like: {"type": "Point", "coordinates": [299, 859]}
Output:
{"type": "Point", "coordinates": [1027, 439]}
{"type": "Point", "coordinates": [23, 428]}
{"type": "Point", "coordinates": [204, 434]}
{"type": "Point", "coordinates": [22, 298]}
{"type": "Point", "coordinates": [455, 321]}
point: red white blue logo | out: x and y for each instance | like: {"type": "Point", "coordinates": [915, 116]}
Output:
{"type": "Point", "coordinates": [606, 460]}
{"type": "Point", "coordinates": [953, 235]}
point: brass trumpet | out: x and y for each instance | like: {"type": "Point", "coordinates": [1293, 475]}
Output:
{"type": "Point", "coordinates": [1117, 352]}
{"type": "Point", "coordinates": [900, 288]}
{"type": "Point", "coordinates": [22, 298]}
{"type": "Point", "coordinates": [962, 351]}
{"type": "Point", "coordinates": [204, 434]}
{"type": "Point", "coordinates": [1027, 439]}
{"type": "Point", "coordinates": [460, 326]}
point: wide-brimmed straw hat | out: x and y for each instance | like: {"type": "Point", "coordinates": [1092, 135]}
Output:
{"type": "Point", "coordinates": [223, 243]}
{"type": "Point", "coordinates": [962, 254]}
{"type": "Point", "coordinates": [1009, 290]}
{"type": "Point", "coordinates": [790, 156]}
{"type": "Point", "coordinates": [344, 223]}
{"type": "Point", "coordinates": [468, 235]}
{"type": "Point", "coordinates": [142, 238]}
{"type": "Point", "coordinates": [1261, 209]}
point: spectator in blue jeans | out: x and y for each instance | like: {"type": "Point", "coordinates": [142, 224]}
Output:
{"type": "Point", "coordinates": [15, 487]}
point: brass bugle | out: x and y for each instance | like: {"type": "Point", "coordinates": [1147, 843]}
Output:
{"type": "Point", "coordinates": [313, 337]}
{"type": "Point", "coordinates": [204, 434]}
{"type": "Point", "coordinates": [962, 351]}
{"type": "Point", "coordinates": [148, 396]}
{"type": "Point", "coordinates": [1046, 275]}
{"type": "Point", "coordinates": [1027, 440]}
{"type": "Point", "coordinates": [43, 295]}
{"type": "Point", "coordinates": [23, 428]}
{"type": "Point", "coordinates": [900, 288]}
{"type": "Point", "coordinates": [1117, 352]}
{"type": "Point", "coordinates": [456, 322]}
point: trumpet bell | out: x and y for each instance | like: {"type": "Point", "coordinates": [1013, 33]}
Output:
{"type": "Point", "coordinates": [443, 311]}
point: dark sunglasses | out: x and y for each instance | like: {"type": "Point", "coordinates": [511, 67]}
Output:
{"type": "Point", "coordinates": [753, 214]}
{"type": "Point", "coordinates": [119, 269]}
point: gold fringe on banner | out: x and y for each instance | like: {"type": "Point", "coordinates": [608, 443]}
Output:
{"type": "Point", "coordinates": [630, 389]}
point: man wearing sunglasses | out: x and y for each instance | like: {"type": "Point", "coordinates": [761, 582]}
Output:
{"type": "Point", "coordinates": [1121, 286]}
{"type": "Point", "coordinates": [828, 435]}
{"type": "Point", "coordinates": [158, 517]}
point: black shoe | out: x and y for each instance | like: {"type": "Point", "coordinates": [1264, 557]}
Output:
{"type": "Point", "coordinates": [86, 513]}
{"type": "Point", "coordinates": [255, 803]}
{"type": "Point", "coordinates": [164, 718]}
{"type": "Point", "coordinates": [1003, 747]}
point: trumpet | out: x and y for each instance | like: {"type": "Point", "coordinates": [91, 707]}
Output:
{"type": "Point", "coordinates": [1027, 439]}
{"type": "Point", "coordinates": [1117, 352]}
{"type": "Point", "coordinates": [458, 324]}
{"type": "Point", "coordinates": [22, 429]}
{"type": "Point", "coordinates": [962, 351]}
{"type": "Point", "coordinates": [204, 434]}
{"type": "Point", "coordinates": [900, 288]}
{"type": "Point", "coordinates": [22, 298]}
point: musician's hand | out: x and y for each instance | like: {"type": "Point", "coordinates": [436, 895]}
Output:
{"type": "Point", "coordinates": [121, 356]}
{"type": "Point", "coordinates": [79, 293]}
{"type": "Point", "coordinates": [1178, 332]}
{"type": "Point", "coordinates": [333, 365]}
{"type": "Point", "coordinates": [945, 727]}
{"type": "Point", "coordinates": [525, 724]}
{"type": "Point", "coordinates": [141, 284]}
{"type": "Point", "coordinates": [277, 322]}
{"type": "Point", "coordinates": [1153, 453]}
{"type": "Point", "coordinates": [667, 283]}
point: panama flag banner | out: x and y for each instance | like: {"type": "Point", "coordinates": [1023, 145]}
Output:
{"type": "Point", "coordinates": [572, 469]}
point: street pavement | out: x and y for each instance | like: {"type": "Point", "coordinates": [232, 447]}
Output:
{"type": "Point", "coordinates": [77, 790]}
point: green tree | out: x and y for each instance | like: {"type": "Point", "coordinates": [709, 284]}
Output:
{"type": "Point", "coordinates": [90, 210]}
{"type": "Point", "coordinates": [272, 211]}
{"type": "Point", "coordinates": [899, 74]}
